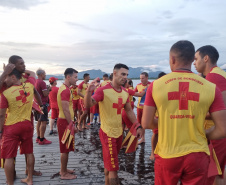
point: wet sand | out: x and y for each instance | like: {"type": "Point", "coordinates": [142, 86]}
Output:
{"type": "Point", "coordinates": [135, 168]}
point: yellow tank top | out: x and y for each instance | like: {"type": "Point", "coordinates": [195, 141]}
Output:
{"type": "Point", "coordinates": [182, 107]}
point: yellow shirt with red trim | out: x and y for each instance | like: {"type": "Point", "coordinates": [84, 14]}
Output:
{"type": "Point", "coordinates": [64, 94]}
{"type": "Point", "coordinates": [139, 88]}
{"type": "Point", "coordinates": [18, 100]}
{"type": "Point", "coordinates": [104, 83]}
{"type": "Point", "coordinates": [131, 94]}
{"type": "Point", "coordinates": [218, 77]}
{"type": "Point", "coordinates": [74, 92]}
{"type": "Point", "coordinates": [182, 100]}
{"type": "Point", "coordinates": [111, 104]}
{"type": "Point", "coordinates": [83, 86]}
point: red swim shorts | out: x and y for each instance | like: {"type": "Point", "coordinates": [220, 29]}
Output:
{"type": "Point", "coordinates": [61, 126]}
{"type": "Point", "coordinates": [83, 105]}
{"type": "Point", "coordinates": [54, 113]}
{"type": "Point", "coordinates": [190, 169]}
{"type": "Point", "coordinates": [139, 114]}
{"type": "Point", "coordinates": [94, 109]}
{"type": "Point", "coordinates": [220, 148]}
{"type": "Point", "coordinates": [110, 149]}
{"type": "Point", "coordinates": [76, 105]}
{"type": "Point", "coordinates": [19, 134]}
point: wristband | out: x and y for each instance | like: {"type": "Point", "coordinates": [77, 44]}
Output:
{"type": "Point", "coordinates": [139, 127]}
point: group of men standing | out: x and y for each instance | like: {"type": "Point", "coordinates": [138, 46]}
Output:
{"type": "Point", "coordinates": [181, 105]}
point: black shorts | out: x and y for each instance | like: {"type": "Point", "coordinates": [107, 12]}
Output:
{"type": "Point", "coordinates": [42, 117]}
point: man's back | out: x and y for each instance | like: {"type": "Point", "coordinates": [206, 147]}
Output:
{"type": "Point", "coordinates": [182, 108]}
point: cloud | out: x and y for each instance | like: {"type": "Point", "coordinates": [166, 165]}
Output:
{"type": "Point", "coordinates": [84, 27]}
{"type": "Point", "coordinates": [223, 66]}
{"type": "Point", "coordinates": [21, 4]}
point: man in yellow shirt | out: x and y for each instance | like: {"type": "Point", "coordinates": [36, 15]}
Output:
{"type": "Point", "coordinates": [140, 88]}
{"type": "Point", "coordinates": [66, 116]}
{"type": "Point", "coordinates": [112, 99]}
{"type": "Point", "coordinates": [206, 63]}
{"type": "Point", "coordinates": [81, 92]}
{"type": "Point", "coordinates": [182, 99]}
{"type": "Point", "coordinates": [18, 127]}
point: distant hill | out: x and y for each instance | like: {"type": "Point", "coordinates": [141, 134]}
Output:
{"type": "Point", "coordinates": [133, 73]}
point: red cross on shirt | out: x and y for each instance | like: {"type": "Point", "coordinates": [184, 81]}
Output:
{"type": "Point", "coordinates": [118, 105]}
{"type": "Point", "coordinates": [183, 95]}
{"type": "Point", "coordinates": [22, 96]}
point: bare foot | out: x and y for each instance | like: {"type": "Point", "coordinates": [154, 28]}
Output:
{"type": "Point", "coordinates": [28, 182]}
{"type": "Point", "coordinates": [80, 128]}
{"type": "Point", "coordinates": [68, 176]}
{"type": "Point", "coordinates": [35, 173]}
{"type": "Point", "coordinates": [84, 127]}
{"type": "Point", "coordinates": [69, 171]}
{"type": "Point", "coordinates": [152, 157]}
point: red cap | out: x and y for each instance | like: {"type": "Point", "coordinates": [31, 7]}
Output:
{"type": "Point", "coordinates": [52, 79]}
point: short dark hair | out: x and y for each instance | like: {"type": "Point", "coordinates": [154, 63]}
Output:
{"type": "Point", "coordinates": [161, 74]}
{"type": "Point", "coordinates": [144, 73]}
{"type": "Point", "coordinates": [69, 71]}
{"type": "Point", "coordinates": [184, 50]}
{"type": "Point", "coordinates": [210, 51]}
{"type": "Point", "coordinates": [85, 75]}
{"type": "Point", "coordinates": [105, 75]}
{"type": "Point", "coordinates": [13, 59]}
{"type": "Point", "coordinates": [119, 66]}
{"type": "Point", "coordinates": [111, 77]}
{"type": "Point", "coordinates": [17, 73]}
{"type": "Point", "coordinates": [130, 82]}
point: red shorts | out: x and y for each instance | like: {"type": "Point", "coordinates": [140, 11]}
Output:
{"type": "Point", "coordinates": [61, 126]}
{"type": "Point", "coordinates": [54, 113]}
{"type": "Point", "coordinates": [19, 134]}
{"type": "Point", "coordinates": [191, 169]}
{"type": "Point", "coordinates": [132, 104]}
{"type": "Point", "coordinates": [220, 150]}
{"type": "Point", "coordinates": [76, 105]}
{"type": "Point", "coordinates": [139, 114]}
{"type": "Point", "coordinates": [82, 105]}
{"type": "Point", "coordinates": [110, 149]}
{"type": "Point", "coordinates": [126, 120]}
{"type": "Point", "coordinates": [94, 109]}
{"type": "Point", "coordinates": [155, 131]}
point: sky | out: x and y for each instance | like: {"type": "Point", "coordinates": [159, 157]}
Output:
{"type": "Point", "coordinates": [97, 34]}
